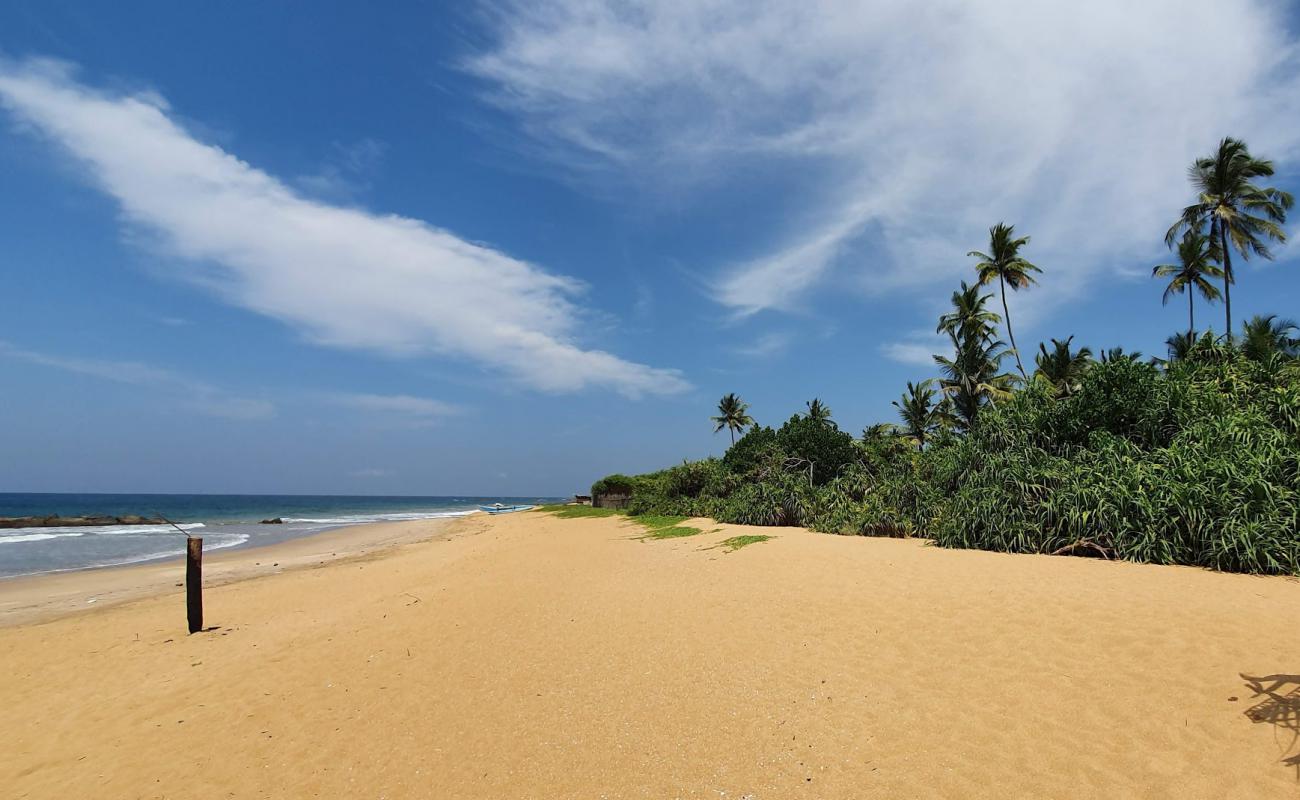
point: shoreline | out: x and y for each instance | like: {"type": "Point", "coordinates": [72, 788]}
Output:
{"type": "Point", "coordinates": [48, 596]}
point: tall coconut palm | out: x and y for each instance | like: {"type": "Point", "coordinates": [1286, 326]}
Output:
{"type": "Point", "coordinates": [1061, 368]}
{"type": "Point", "coordinates": [1196, 256]}
{"type": "Point", "coordinates": [1266, 337]}
{"type": "Point", "coordinates": [1238, 214]}
{"type": "Point", "coordinates": [733, 414]}
{"type": "Point", "coordinates": [971, 378]}
{"type": "Point", "coordinates": [969, 315]}
{"type": "Point", "coordinates": [1004, 263]}
{"type": "Point", "coordinates": [818, 410]}
{"type": "Point", "coordinates": [918, 411]}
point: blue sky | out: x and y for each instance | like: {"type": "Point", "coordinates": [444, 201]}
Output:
{"type": "Point", "coordinates": [508, 248]}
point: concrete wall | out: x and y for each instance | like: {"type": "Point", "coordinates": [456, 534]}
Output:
{"type": "Point", "coordinates": [611, 500]}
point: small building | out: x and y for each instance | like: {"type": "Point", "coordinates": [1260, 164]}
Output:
{"type": "Point", "coordinates": [612, 500]}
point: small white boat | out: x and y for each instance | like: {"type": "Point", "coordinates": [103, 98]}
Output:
{"type": "Point", "coordinates": [499, 508]}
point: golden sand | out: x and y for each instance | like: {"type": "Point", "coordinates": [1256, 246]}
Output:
{"type": "Point", "coordinates": [529, 657]}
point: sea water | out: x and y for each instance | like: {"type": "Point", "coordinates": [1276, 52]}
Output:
{"type": "Point", "coordinates": [224, 521]}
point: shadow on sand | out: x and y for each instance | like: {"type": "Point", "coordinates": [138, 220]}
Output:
{"type": "Point", "coordinates": [1277, 702]}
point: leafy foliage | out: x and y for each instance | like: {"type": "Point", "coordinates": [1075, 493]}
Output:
{"type": "Point", "coordinates": [1196, 463]}
{"type": "Point", "coordinates": [1062, 368]}
{"type": "Point", "coordinates": [1238, 214]}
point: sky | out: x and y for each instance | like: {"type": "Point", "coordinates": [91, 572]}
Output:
{"type": "Point", "coordinates": [506, 248]}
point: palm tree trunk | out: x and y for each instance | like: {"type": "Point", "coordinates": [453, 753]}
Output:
{"type": "Point", "coordinates": [733, 435]}
{"type": "Point", "coordinates": [1227, 278]}
{"type": "Point", "coordinates": [1006, 311]}
{"type": "Point", "coordinates": [1191, 316]}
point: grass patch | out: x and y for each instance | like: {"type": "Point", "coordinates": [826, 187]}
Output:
{"type": "Point", "coordinates": [656, 521]}
{"type": "Point", "coordinates": [574, 511]}
{"type": "Point", "coordinates": [675, 532]}
{"type": "Point", "coordinates": [736, 542]}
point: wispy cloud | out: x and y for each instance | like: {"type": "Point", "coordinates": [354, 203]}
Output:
{"type": "Point", "coordinates": [910, 353]}
{"type": "Point", "coordinates": [347, 172]}
{"type": "Point", "coordinates": [916, 348]}
{"type": "Point", "coordinates": [196, 395]}
{"type": "Point", "coordinates": [343, 277]}
{"type": "Point", "coordinates": [767, 345]}
{"type": "Point", "coordinates": [401, 404]}
{"type": "Point", "coordinates": [915, 125]}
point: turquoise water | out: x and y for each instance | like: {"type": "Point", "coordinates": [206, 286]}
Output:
{"type": "Point", "coordinates": [224, 522]}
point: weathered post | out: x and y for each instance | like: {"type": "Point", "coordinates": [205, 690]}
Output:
{"type": "Point", "coordinates": [194, 582]}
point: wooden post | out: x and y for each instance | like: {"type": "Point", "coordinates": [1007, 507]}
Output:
{"type": "Point", "coordinates": [194, 583]}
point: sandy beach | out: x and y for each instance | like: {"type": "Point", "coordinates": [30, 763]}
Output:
{"type": "Point", "coordinates": [526, 656]}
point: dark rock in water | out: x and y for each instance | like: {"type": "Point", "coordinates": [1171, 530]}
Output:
{"type": "Point", "coordinates": [55, 521]}
{"type": "Point", "coordinates": [276, 521]}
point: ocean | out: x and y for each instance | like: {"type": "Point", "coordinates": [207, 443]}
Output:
{"type": "Point", "coordinates": [224, 522]}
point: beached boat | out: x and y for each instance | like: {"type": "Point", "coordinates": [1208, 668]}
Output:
{"type": "Point", "coordinates": [499, 508]}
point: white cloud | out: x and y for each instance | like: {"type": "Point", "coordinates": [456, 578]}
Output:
{"type": "Point", "coordinates": [911, 353]}
{"type": "Point", "coordinates": [917, 125]}
{"type": "Point", "coordinates": [403, 404]}
{"type": "Point", "coordinates": [196, 395]}
{"type": "Point", "coordinates": [767, 345]}
{"type": "Point", "coordinates": [341, 276]}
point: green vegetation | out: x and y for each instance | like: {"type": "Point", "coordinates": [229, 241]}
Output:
{"type": "Point", "coordinates": [674, 532]}
{"type": "Point", "coordinates": [1189, 459]}
{"type": "Point", "coordinates": [1238, 214]}
{"type": "Point", "coordinates": [574, 511]}
{"type": "Point", "coordinates": [736, 542]}
{"type": "Point", "coordinates": [658, 521]}
{"type": "Point", "coordinates": [613, 484]}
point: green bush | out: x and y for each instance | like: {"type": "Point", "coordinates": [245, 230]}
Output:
{"type": "Point", "coordinates": [819, 446]}
{"type": "Point", "coordinates": [615, 484]}
{"type": "Point", "coordinates": [1198, 463]}
{"type": "Point", "coordinates": [1198, 466]}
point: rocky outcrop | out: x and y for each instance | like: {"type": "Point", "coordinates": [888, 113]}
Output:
{"type": "Point", "coordinates": [55, 521]}
{"type": "Point", "coordinates": [276, 521]}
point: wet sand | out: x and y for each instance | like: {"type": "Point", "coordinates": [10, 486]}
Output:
{"type": "Point", "coordinates": [523, 656]}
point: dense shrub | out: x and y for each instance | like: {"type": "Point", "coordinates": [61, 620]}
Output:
{"type": "Point", "coordinates": [821, 448]}
{"type": "Point", "coordinates": [1198, 463]}
{"type": "Point", "coordinates": [1200, 466]}
{"type": "Point", "coordinates": [615, 484]}
{"type": "Point", "coordinates": [752, 449]}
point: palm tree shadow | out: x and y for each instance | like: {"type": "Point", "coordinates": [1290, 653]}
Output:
{"type": "Point", "coordinates": [1278, 704]}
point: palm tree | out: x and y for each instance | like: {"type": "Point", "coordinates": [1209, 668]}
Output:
{"type": "Point", "coordinates": [1266, 337]}
{"type": "Point", "coordinates": [733, 414]}
{"type": "Point", "coordinates": [918, 411]}
{"type": "Point", "coordinates": [1061, 368]}
{"type": "Point", "coordinates": [1180, 346]}
{"type": "Point", "coordinates": [969, 315]}
{"type": "Point", "coordinates": [1118, 354]}
{"type": "Point", "coordinates": [1196, 254]}
{"type": "Point", "coordinates": [1004, 262]}
{"type": "Point", "coordinates": [818, 410]}
{"type": "Point", "coordinates": [1238, 213]}
{"type": "Point", "coordinates": [971, 378]}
